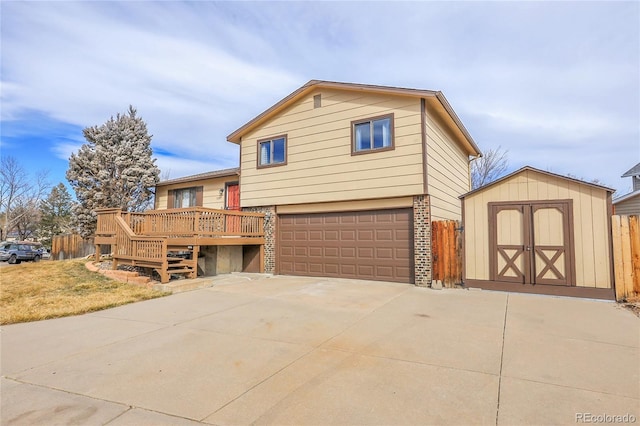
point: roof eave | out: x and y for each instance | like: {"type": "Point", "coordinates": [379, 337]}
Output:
{"type": "Point", "coordinates": [236, 136]}
{"type": "Point", "coordinates": [201, 176]}
{"type": "Point", "coordinates": [626, 197]}
{"type": "Point", "coordinates": [525, 168]}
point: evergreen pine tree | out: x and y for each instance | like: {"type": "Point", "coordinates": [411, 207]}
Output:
{"type": "Point", "coordinates": [113, 169]}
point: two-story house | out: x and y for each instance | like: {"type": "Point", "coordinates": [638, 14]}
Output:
{"type": "Point", "coordinates": [350, 177]}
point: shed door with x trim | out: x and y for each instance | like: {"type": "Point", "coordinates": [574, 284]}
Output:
{"type": "Point", "coordinates": [531, 242]}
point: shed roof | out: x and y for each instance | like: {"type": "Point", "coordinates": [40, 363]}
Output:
{"type": "Point", "coordinates": [312, 85]}
{"type": "Point", "coordinates": [202, 176]}
{"type": "Point", "coordinates": [634, 171]}
{"type": "Point", "coordinates": [533, 169]}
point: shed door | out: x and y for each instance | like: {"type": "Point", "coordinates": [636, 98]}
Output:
{"type": "Point", "coordinates": [531, 242]}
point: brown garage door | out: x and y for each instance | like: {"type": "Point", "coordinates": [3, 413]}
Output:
{"type": "Point", "coordinates": [371, 245]}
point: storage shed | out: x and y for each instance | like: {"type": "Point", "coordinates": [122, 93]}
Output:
{"type": "Point", "coordinates": [538, 232]}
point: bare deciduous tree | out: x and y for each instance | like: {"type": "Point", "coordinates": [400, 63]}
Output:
{"type": "Point", "coordinates": [19, 198]}
{"type": "Point", "coordinates": [489, 167]}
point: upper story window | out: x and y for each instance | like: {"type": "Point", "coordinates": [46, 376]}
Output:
{"type": "Point", "coordinates": [372, 134]}
{"type": "Point", "coordinates": [272, 152]}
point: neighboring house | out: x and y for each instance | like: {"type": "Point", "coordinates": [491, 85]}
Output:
{"type": "Point", "coordinates": [629, 204]}
{"type": "Point", "coordinates": [216, 190]}
{"type": "Point", "coordinates": [538, 232]}
{"type": "Point", "coordinates": [350, 177]}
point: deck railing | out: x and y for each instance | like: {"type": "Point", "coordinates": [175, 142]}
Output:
{"type": "Point", "coordinates": [179, 223]}
{"type": "Point", "coordinates": [137, 247]}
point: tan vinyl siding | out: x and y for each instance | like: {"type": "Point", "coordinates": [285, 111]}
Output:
{"type": "Point", "coordinates": [591, 240]}
{"type": "Point", "coordinates": [320, 166]}
{"type": "Point", "coordinates": [447, 170]}
{"type": "Point", "coordinates": [630, 206]}
{"type": "Point", "coordinates": [211, 196]}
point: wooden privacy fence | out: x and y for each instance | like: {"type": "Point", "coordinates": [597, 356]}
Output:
{"type": "Point", "coordinates": [446, 248]}
{"type": "Point", "coordinates": [625, 234]}
{"type": "Point", "coordinates": [71, 246]}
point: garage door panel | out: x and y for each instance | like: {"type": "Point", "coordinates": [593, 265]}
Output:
{"type": "Point", "coordinates": [365, 234]}
{"type": "Point", "coordinates": [365, 218]}
{"type": "Point", "coordinates": [384, 253]}
{"type": "Point", "coordinates": [402, 272]}
{"type": "Point", "coordinates": [384, 235]}
{"type": "Point", "coordinates": [331, 235]}
{"type": "Point", "coordinates": [315, 236]}
{"type": "Point", "coordinates": [348, 252]}
{"type": "Point", "coordinates": [402, 253]}
{"type": "Point", "coordinates": [299, 220]}
{"type": "Point", "coordinates": [286, 267]}
{"type": "Point", "coordinates": [385, 218]}
{"type": "Point", "coordinates": [347, 235]}
{"type": "Point", "coordinates": [366, 252]}
{"type": "Point", "coordinates": [287, 236]}
{"type": "Point", "coordinates": [315, 251]}
{"type": "Point", "coordinates": [373, 245]}
{"type": "Point", "coordinates": [348, 269]}
{"type": "Point", "coordinates": [401, 234]}
{"type": "Point", "coordinates": [316, 268]}
{"type": "Point", "coordinates": [331, 251]}
{"type": "Point", "coordinates": [332, 269]}
{"type": "Point", "coordinates": [386, 272]}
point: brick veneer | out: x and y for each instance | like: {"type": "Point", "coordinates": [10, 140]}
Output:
{"type": "Point", "coordinates": [422, 240]}
{"type": "Point", "coordinates": [269, 236]}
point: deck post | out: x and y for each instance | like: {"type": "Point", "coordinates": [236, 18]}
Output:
{"type": "Point", "coordinates": [262, 258]}
{"type": "Point", "coordinates": [194, 258]}
{"type": "Point", "coordinates": [97, 254]}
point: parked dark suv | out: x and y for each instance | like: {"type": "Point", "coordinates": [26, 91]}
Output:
{"type": "Point", "coordinates": [18, 251]}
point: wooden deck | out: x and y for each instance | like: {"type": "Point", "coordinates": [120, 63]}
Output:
{"type": "Point", "coordinates": [148, 239]}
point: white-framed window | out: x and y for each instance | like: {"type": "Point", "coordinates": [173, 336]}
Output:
{"type": "Point", "coordinates": [272, 151]}
{"type": "Point", "coordinates": [372, 134]}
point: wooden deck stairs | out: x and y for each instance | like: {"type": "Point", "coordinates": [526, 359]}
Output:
{"type": "Point", "coordinates": [169, 241]}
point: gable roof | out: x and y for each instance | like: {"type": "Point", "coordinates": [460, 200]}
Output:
{"type": "Point", "coordinates": [634, 171]}
{"type": "Point", "coordinates": [626, 197]}
{"type": "Point", "coordinates": [312, 85]}
{"type": "Point", "coordinates": [208, 175]}
{"type": "Point", "coordinates": [533, 169]}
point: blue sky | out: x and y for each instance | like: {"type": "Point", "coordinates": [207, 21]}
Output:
{"type": "Point", "coordinates": [557, 84]}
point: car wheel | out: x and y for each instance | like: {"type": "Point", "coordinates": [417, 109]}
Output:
{"type": "Point", "coordinates": [36, 259]}
{"type": "Point", "coordinates": [12, 259]}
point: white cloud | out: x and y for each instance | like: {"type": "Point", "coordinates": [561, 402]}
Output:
{"type": "Point", "coordinates": [542, 79]}
{"type": "Point", "coordinates": [80, 67]}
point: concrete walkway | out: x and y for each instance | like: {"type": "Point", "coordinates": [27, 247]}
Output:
{"type": "Point", "coordinates": [303, 351]}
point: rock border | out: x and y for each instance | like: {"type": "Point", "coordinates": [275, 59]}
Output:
{"type": "Point", "coordinates": [129, 277]}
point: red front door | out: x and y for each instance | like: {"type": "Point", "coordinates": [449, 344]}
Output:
{"type": "Point", "coordinates": [234, 223]}
{"type": "Point", "coordinates": [233, 197]}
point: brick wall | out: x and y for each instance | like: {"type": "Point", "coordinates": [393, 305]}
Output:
{"type": "Point", "coordinates": [269, 236]}
{"type": "Point", "coordinates": [422, 240]}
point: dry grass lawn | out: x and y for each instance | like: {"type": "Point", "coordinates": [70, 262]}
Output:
{"type": "Point", "coordinates": [52, 289]}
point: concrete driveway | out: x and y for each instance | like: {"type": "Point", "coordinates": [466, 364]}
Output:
{"type": "Point", "coordinates": [299, 351]}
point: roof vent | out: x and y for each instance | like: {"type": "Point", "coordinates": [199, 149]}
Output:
{"type": "Point", "coordinates": [317, 101]}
